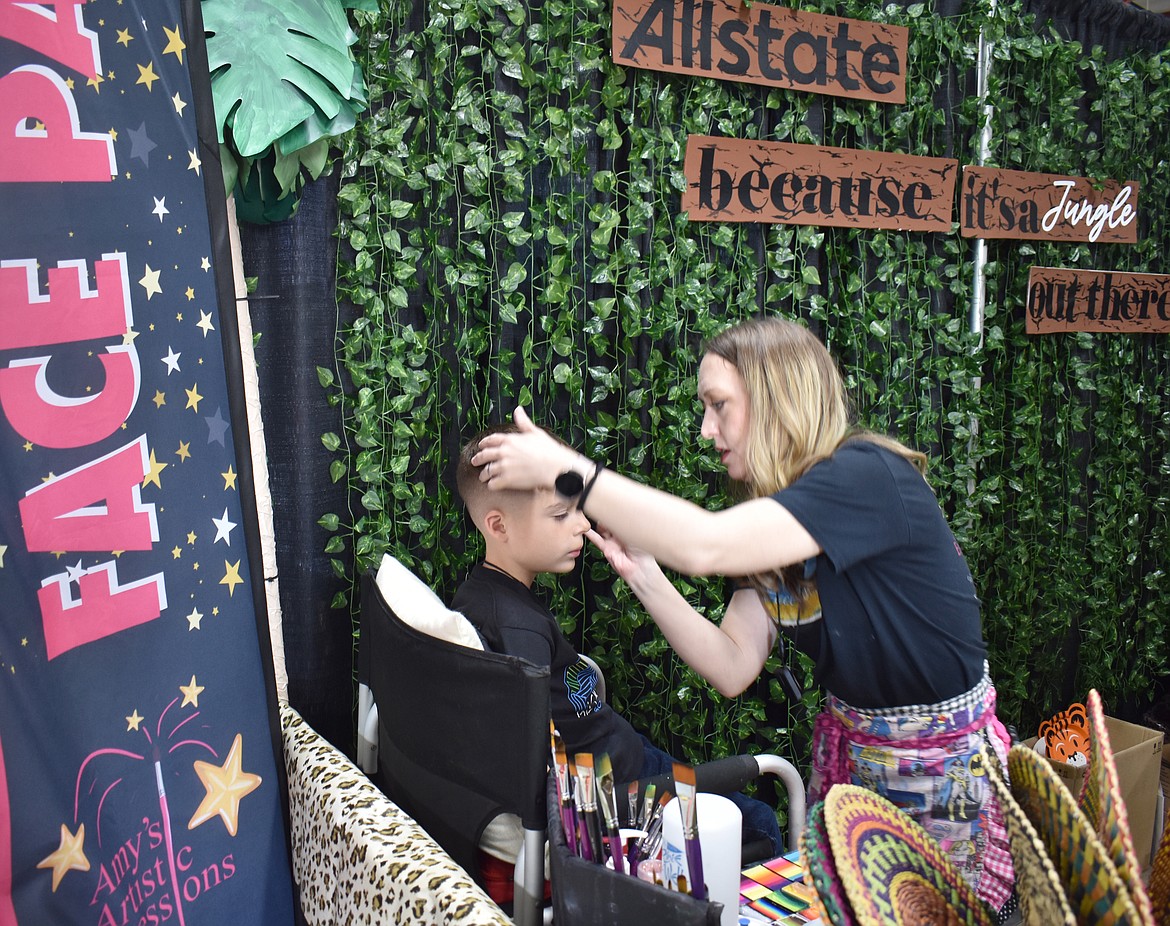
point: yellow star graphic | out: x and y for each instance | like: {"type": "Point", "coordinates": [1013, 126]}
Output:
{"type": "Point", "coordinates": [28, 446]}
{"type": "Point", "coordinates": [146, 75]}
{"type": "Point", "coordinates": [226, 786]}
{"type": "Point", "coordinates": [190, 538]}
{"type": "Point", "coordinates": [156, 469]}
{"type": "Point", "coordinates": [133, 721]}
{"type": "Point", "coordinates": [124, 37]}
{"type": "Point", "coordinates": [190, 293]}
{"type": "Point", "coordinates": [70, 855]}
{"type": "Point", "coordinates": [175, 44]}
{"type": "Point", "coordinates": [205, 322]}
{"type": "Point", "coordinates": [204, 264]}
{"type": "Point", "coordinates": [229, 479]}
{"type": "Point", "coordinates": [179, 104]}
{"type": "Point", "coordinates": [193, 398]}
{"type": "Point", "coordinates": [193, 620]}
{"type": "Point", "coordinates": [113, 133]}
{"type": "Point", "coordinates": [159, 399]}
{"type": "Point", "coordinates": [232, 577]}
{"type": "Point", "coordinates": [194, 163]}
{"type": "Point", "coordinates": [178, 316]}
{"type": "Point", "coordinates": [149, 282]}
{"type": "Point", "coordinates": [69, 82]}
{"type": "Point", "coordinates": [191, 693]}
{"type": "Point", "coordinates": [176, 553]}
{"type": "Point", "coordinates": [184, 451]}
{"type": "Point", "coordinates": [215, 612]}
{"type": "Point", "coordinates": [128, 337]}
{"type": "Point", "coordinates": [94, 81]}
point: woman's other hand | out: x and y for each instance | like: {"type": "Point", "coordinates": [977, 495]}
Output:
{"type": "Point", "coordinates": [635, 566]}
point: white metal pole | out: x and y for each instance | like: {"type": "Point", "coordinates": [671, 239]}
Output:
{"type": "Point", "coordinates": [975, 314]}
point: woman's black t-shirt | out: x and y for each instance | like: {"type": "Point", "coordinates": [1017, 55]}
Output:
{"type": "Point", "coordinates": [899, 621]}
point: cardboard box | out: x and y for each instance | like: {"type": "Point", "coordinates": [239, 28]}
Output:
{"type": "Point", "coordinates": [1166, 785]}
{"type": "Point", "coordinates": [1137, 753]}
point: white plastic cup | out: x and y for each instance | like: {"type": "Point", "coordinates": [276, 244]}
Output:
{"type": "Point", "coordinates": [720, 826]}
{"type": "Point", "coordinates": [627, 837]}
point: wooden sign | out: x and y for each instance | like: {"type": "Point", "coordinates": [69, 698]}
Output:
{"type": "Point", "coordinates": [1016, 204]}
{"type": "Point", "coordinates": [763, 44]}
{"type": "Point", "coordinates": [739, 180]}
{"type": "Point", "coordinates": [1097, 300]}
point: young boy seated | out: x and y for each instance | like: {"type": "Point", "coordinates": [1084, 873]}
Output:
{"type": "Point", "coordinates": [526, 533]}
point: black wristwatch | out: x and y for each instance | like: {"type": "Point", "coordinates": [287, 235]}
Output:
{"type": "Point", "coordinates": [569, 484]}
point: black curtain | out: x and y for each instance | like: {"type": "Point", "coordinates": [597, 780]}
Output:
{"type": "Point", "coordinates": [1119, 28]}
{"type": "Point", "coordinates": [294, 311]}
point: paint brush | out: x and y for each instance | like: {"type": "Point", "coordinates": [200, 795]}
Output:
{"type": "Point", "coordinates": [632, 804]}
{"type": "Point", "coordinates": [642, 848]}
{"type": "Point", "coordinates": [608, 801]}
{"type": "Point", "coordinates": [564, 788]}
{"type": "Point", "coordinates": [684, 783]}
{"type": "Point", "coordinates": [647, 807]}
{"type": "Point", "coordinates": [584, 848]}
{"type": "Point", "coordinates": [588, 804]}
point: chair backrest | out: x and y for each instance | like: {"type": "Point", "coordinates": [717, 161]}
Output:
{"type": "Point", "coordinates": [462, 733]}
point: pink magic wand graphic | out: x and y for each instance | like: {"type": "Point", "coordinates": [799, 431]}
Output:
{"type": "Point", "coordinates": [225, 786]}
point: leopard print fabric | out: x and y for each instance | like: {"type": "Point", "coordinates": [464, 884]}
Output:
{"type": "Point", "coordinates": [357, 858]}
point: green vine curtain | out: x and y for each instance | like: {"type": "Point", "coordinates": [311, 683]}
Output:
{"type": "Point", "coordinates": [510, 233]}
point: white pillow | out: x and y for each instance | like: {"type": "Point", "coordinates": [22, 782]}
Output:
{"type": "Point", "coordinates": [417, 605]}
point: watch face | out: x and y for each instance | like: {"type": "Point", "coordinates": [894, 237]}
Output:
{"type": "Point", "coordinates": [569, 484]}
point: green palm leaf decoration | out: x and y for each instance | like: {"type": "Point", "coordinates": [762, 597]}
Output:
{"type": "Point", "coordinates": [284, 83]}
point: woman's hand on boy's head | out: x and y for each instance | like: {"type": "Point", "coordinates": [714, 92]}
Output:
{"type": "Point", "coordinates": [530, 459]}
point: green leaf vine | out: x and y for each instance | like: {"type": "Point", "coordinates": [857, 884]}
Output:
{"type": "Point", "coordinates": [511, 233]}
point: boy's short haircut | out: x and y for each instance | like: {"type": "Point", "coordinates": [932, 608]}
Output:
{"type": "Point", "coordinates": [477, 497]}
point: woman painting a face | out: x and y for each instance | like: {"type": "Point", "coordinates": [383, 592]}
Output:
{"type": "Point", "coordinates": [841, 545]}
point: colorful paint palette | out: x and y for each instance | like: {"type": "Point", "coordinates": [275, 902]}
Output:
{"type": "Point", "coordinates": [776, 892]}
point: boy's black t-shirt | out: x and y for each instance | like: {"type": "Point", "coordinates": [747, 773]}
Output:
{"type": "Point", "coordinates": [901, 621]}
{"type": "Point", "coordinates": [513, 620]}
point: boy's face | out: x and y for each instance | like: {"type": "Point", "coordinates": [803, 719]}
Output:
{"type": "Point", "coordinates": [547, 535]}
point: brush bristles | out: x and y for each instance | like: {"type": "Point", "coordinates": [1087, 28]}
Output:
{"type": "Point", "coordinates": [684, 774]}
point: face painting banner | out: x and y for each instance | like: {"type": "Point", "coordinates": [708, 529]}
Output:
{"type": "Point", "coordinates": [139, 773]}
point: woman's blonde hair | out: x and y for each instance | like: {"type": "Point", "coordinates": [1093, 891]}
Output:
{"type": "Point", "coordinates": [799, 413]}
